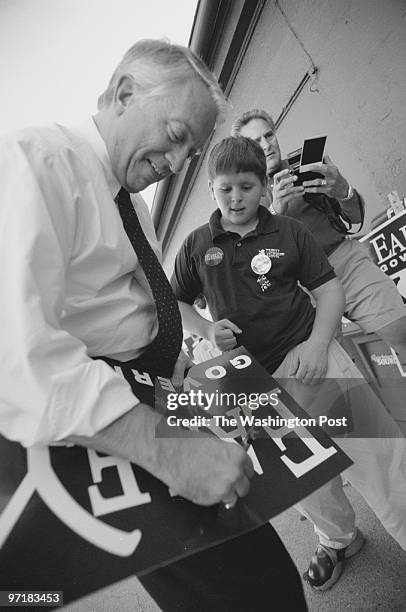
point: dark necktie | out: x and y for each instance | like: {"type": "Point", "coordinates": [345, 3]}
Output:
{"type": "Point", "coordinates": [165, 348]}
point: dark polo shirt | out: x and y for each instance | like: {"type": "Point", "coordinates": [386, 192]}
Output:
{"type": "Point", "coordinates": [217, 263]}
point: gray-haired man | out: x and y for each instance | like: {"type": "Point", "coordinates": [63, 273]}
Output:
{"type": "Point", "coordinates": [74, 291]}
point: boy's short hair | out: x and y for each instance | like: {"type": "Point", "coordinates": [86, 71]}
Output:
{"type": "Point", "coordinates": [237, 154]}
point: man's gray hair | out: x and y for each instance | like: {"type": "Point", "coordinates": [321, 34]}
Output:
{"type": "Point", "coordinates": [248, 116]}
{"type": "Point", "coordinates": [158, 65]}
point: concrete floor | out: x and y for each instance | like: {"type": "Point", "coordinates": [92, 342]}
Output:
{"type": "Point", "coordinates": [373, 581]}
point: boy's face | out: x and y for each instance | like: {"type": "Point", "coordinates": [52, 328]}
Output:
{"type": "Point", "coordinates": [238, 196]}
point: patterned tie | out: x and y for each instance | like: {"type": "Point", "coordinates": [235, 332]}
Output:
{"type": "Point", "coordinates": [165, 348]}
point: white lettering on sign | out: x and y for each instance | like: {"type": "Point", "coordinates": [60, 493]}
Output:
{"type": "Point", "coordinates": [389, 248]}
{"type": "Point", "coordinates": [383, 360]}
{"type": "Point", "coordinates": [143, 378]}
{"type": "Point", "coordinates": [216, 424]}
{"type": "Point", "coordinates": [215, 372]}
{"type": "Point", "coordinates": [131, 495]}
{"type": "Point", "coordinates": [240, 362]}
{"type": "Point", "coordinates": [319, 452]}
{"type": "Point", "coordinates": [165, 383]}
{"type": "Point", "coordinates": [66, 508]}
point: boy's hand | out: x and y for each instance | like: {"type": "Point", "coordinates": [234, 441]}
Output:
{"type": "Point", "coordinates": [309, 363]}
{"type": "Point", "coordinates": [222, 334]}
{"type": "Point", "coordinates": [283, 190]}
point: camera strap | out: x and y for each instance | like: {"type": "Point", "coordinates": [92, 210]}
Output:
{"type": "Point", "coordinates": [337, 218]}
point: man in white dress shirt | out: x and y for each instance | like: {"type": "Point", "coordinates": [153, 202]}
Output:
{"type": "Point", "coordinates": [72, 289]}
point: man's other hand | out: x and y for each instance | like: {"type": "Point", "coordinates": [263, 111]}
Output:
{"type": "Point", "coordinates": [333, 184]}
{"type": "Point", "coordinates": [284, 189]}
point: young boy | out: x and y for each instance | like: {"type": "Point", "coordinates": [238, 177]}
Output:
{"type": "Point", "coordinates": [247, 264]}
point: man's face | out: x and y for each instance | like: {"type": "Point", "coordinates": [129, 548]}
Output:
{"type": "Point", "coordinates": [264, 134]}
{"type": "Point", "coordinates": [238, 195]}
{"type": "Point", "coordinates": [151, 138]}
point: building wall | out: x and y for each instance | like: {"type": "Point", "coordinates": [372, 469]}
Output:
{"type": "Point", "coordinates": [358, 98]}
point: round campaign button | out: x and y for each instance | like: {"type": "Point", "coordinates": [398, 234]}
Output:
{"type": "Point", "coordinates": [213, 256]}
{"type": "Point", "coordinates": [261, 264]}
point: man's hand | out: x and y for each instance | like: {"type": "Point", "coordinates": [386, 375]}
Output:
{"type": "Point", "coordinates": [183, 363]}
{"type": "Point", "coordinates": [333, 184]}
{"type": "Point", "coordinates": [204, 470]}
{"type": "Point", "coordinates": [310, 362]}
{"type": "Point", "coordinates": [284, 189]}
{"type": "Point", "coordinates": [222, 334]}
{"type": "Point", "coordinates": [199, 467]}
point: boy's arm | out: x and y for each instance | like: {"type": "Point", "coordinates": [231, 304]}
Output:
{"type": "Point", "coordinates": [220, 333]}
{"type": "Point", "coordinates": [310, 357]}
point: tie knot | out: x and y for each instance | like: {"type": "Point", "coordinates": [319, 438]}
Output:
{"type": "Point", "coordinates": [123, 197]}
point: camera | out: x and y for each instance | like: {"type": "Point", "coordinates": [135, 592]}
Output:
{"type": "Point", "coordinates": [311, 152]}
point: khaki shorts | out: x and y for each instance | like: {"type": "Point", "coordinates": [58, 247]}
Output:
{"type": "Point", "coordinates": [372, 299]}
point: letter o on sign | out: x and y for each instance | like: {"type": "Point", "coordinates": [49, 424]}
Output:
{"type": "Point", "coordinates": [215, 372]}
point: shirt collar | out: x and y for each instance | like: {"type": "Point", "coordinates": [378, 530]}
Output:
{"type": "Point", "coordinates": [267, 224]}
{"type": "Point", "coordinates": [89, 132]}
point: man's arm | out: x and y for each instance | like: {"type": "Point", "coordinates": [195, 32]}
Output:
{"type": "Point", "coordinates": [220, 333]}
{"type": "Point", "coordinates": [49, 387]}
{"type": "Point", "coordinates": [310, 364]}
{"type": "Point", "coordinates": [203, 469]}
{"type": "Point", "coordinates": [333, 184]}
{"type": "Point", "coordinates": [336, 186]}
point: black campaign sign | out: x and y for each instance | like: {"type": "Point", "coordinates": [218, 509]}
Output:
{"type": "Point", "coordinates": [76, 520]}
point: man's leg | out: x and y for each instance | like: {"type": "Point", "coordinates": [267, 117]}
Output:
{"type": "Point", "coordinates": [251, 572]}
{"type": "Point", "coordinates": [331, 513]}
{"type": "Point", "coordinates": [378, 449]}
{"type": "Point", "coordinates": [328, 508]}
{"type": "Point", "coordinates": [372, 299]}
{"type": "Point", "coordinates": [374, 443]}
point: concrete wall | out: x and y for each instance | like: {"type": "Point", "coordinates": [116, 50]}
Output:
{"type": "Point", "coordinates": [358, 99]}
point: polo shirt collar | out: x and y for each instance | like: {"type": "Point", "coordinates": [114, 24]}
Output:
{"type": "Point", "coordinates": [267, 224]}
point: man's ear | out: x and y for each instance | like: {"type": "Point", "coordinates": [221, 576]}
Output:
{"type": "Point", "coordinates": [123, 93]}
{"type": "Point", "coordinates": [211, 190]}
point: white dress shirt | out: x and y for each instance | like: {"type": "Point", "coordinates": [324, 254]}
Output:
{"type": "Point", "coordinates": [71, 286]}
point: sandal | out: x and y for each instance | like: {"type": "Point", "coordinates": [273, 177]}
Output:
{"type": "Point", "coordinates": [327, 563]}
